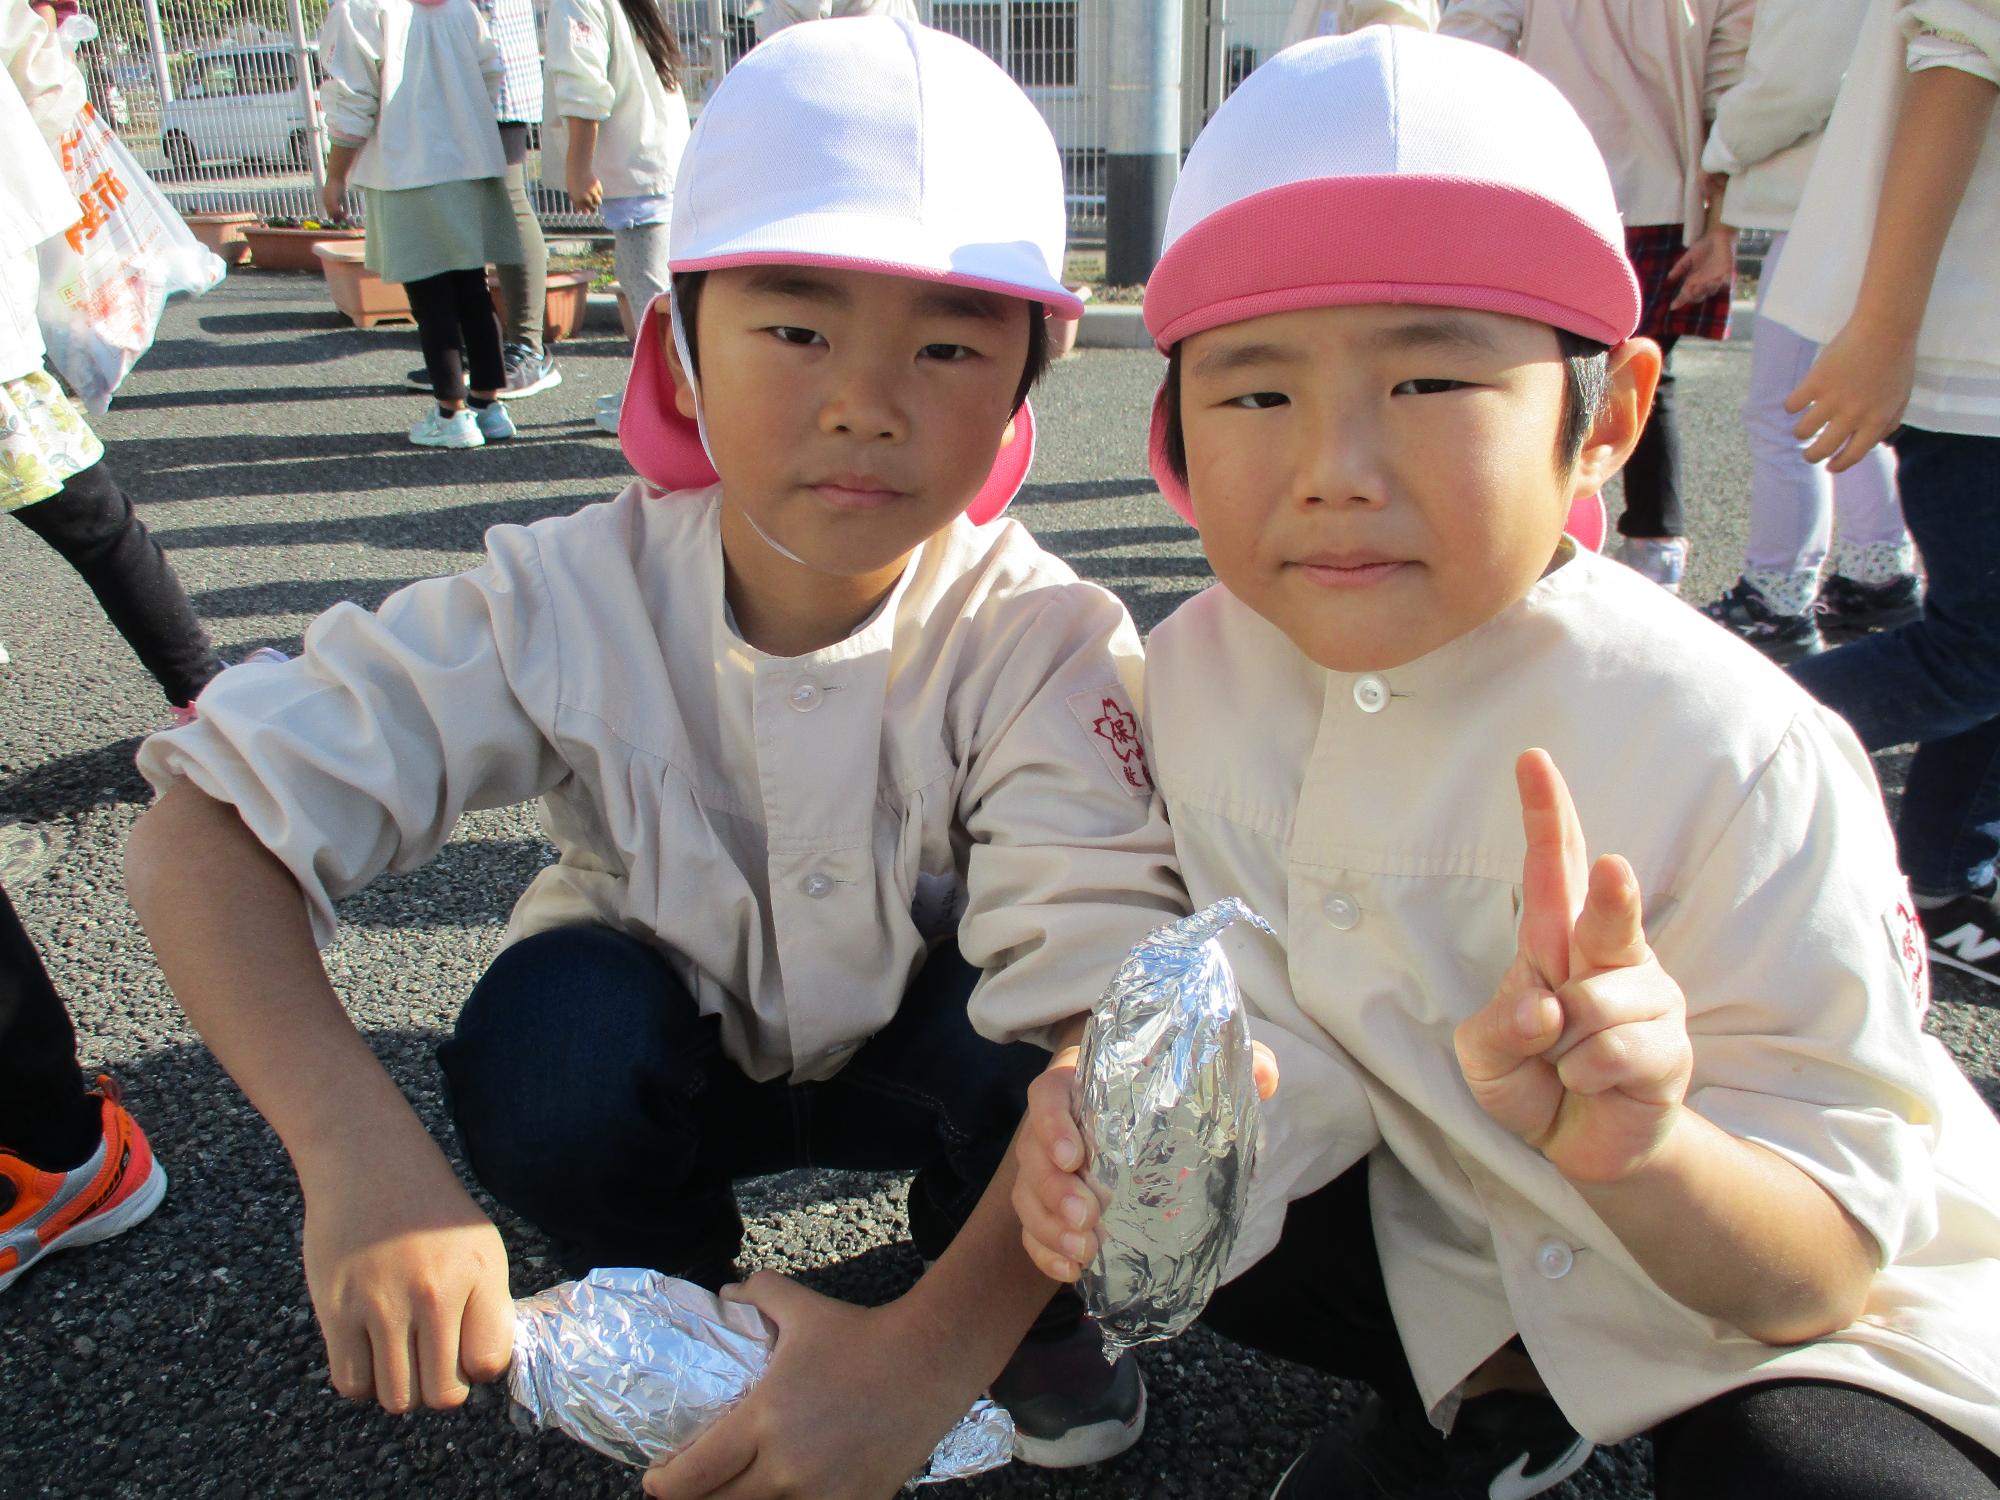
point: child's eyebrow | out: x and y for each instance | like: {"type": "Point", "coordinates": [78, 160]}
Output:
{"type": "Point", "coordinates": [1225, 359]}
{"type": "Point", "coordinates": [954, 302]}
{"type": "Point", "coordinates": [802, 286]}
{"type": "Point", "coordinates": [1433, 333]}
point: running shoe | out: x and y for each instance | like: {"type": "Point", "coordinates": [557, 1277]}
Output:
{"type": "Point", "coordinates": [494, 423]}
{"type": "Point", "coordinates": [1069, 1407]}
{"type": "Point", "coordinates": [43, 1212]}
{"type": "Point", "coordinates": [1848, 607]}
{"type": "Point", "coordinates": [1660, 558]}
{"type": "Point", "coordinates": [1745, 610]}
{"type": "Point", "coordinates": [528, 372]}
{"type": "Point", "coordinates": [1502, 1447]}
{"type": "Point", "coordinates": [458, 430]}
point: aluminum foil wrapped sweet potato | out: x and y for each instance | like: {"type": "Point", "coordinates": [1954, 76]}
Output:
{"type": "Point", "coordinates": [1168, 1111]}
{"type": "Point", "coordinates": [637, 1365]}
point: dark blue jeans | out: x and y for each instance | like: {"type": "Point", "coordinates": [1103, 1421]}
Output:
{"type": "Point", "coordinates": [1937, 682]}
{"type": "Point", "coordinates": [594, 1100]}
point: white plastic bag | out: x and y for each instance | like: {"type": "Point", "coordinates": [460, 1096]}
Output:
{"type": "Point", "coordinates": [106, 279]}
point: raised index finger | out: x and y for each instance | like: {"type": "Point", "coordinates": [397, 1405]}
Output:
{"type": "Point", "coordinates": [1555, 872]}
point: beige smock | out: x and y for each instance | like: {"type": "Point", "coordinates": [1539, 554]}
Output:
{"type": "Point", "coordinates": [791, 833]}
{"type": "Point", "coordinates": [1645, 75]}
{"type": "Point", "coordinates": [1373, 819]}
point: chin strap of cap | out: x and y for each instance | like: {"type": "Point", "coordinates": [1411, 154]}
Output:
{"type": "Point", "coordinates": [701, 425]}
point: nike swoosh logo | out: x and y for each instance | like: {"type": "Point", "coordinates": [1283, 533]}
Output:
{"type": "Point", "coordinates": [1515, 1482]}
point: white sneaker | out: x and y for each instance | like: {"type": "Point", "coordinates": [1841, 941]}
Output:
{"type": "Point", "coordinates": [495, 425]}
{"type": "Point", "coordinates": [4, 657]}
{"type": "Point", "coordinates": [437, 430]}
{"type": "Point", "coordinates": [1660, 558]}
{"type": "Point", "coordinates": [608, 408]}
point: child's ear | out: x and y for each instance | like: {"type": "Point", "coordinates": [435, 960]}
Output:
{"type": "Point", "coordinates": [1011, 430]}
{"type": "Point", "coordinates": [1632, 373]}
{"type": "Point", "coordinates": [684, 402]}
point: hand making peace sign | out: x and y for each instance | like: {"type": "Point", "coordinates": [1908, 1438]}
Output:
{"type": "Point", "coordinates": [1583, 1051]}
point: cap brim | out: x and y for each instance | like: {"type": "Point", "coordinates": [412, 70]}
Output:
{"type": "Point", "coordinates": [665, 448]}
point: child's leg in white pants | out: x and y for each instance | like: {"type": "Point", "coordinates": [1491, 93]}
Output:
{"type": "Point", "coordinates": [1794, 505]}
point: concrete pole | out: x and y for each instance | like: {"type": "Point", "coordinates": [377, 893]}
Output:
{"type": "Point", "coordinates": [315, 123]}
{"type": "Point", "coordinates": [1143, 136]}
{"type": "Point", "coordinates": [156, 38]}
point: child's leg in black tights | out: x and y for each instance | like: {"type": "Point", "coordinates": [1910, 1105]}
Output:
{"type": "Point", "coordinates": [1815, 1440]}
{"type": "Point", "coordinates": [92, 524]}
{"type": "Point", "coordinates": [481, 326]}
{"type": "Point", "coordinates": [434, 304]}
{"type": "Point", "coordinates": [46, 1117]}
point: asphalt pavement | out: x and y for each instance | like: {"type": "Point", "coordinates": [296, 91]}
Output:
{"type": "Point", "coordinates": [265, 441]}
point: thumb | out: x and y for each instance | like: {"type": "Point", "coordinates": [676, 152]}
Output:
{"type": "Point", "coordinates": [486, 1334]}
{"type": "Point", "coordinates": [768, 1292]}
{"type": "Point", "coordinates": [1264, 1069]}
{"type": "Point", "coordinates": [1513, 1027]}
{"type": "Point", "coordinates": [1611, 932]}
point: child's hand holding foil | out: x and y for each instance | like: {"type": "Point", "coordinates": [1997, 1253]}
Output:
{"type": "Point", "coordinates": [638, 1365]}
{"type": "Point", "coordinates": [1175, 987]}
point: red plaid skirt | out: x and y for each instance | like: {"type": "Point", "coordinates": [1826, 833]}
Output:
{"type": "Point", "coordinates": [1653, 249]}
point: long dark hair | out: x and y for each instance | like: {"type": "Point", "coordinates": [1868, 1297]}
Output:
{"type": "Point", "coordinates": [657, 37]}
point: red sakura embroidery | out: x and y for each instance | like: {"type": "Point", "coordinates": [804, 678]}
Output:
{"type": "Point", "coordinates": [1117, 726]}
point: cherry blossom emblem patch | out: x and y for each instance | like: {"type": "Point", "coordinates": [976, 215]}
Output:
{"type": "Point", "coordinates": [1114, 730]}
{"type": "Point", "coordinates": [1906, 936]}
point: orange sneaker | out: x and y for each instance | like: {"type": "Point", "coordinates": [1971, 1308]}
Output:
{"type": "Point", "coordinates": [120, 1185]}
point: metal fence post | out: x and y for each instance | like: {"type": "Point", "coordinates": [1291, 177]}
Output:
{"type": "Point", "coordinates": [156, 38]}
{"type": "Point", "coordinates": [302, 63]}
{"type": "Point", "coordinates": [1142, 141]}
{"type": "Point", "coordinates": [718, 46]}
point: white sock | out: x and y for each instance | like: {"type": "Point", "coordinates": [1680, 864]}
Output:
{"type": "Point", "coordinates": [1874, 563]}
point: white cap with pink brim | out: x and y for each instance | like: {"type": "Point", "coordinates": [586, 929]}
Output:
{"type": "Point", "coordinates": [861, 144]}
{"type": "Point", "coordinates": [1390, 166]}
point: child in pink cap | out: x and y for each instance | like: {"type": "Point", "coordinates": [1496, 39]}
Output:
{"type": "Point", "coordinates": [1563, 1152]}
{"type": "Point", "coordinates": [850, 812]}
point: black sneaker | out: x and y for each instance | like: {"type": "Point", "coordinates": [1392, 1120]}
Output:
{"type": "Point", "coordinates": [528, 372]}
{"type": "Point", "coordinates": [1846, 607]}
{"type": "Point", "coordinates": [419, 379]}
{"type": "Point", "coordinates": [1964, 934]}
{"type": "Point", "coordinates": [1502, 1447]}
{"type": "Point", "coordinates": [1069, 1407]}
{"type": "Point", "coordinates": [1746, 611]}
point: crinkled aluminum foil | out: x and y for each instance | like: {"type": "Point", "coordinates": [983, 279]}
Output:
{"type": "Point", "coordinates": [1168, 1111]}
{"type": "Point", "coordinates": [636, 1365]}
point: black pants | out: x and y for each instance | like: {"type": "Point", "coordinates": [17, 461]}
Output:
{"type": "Point", "coordinates": [1653, 472]}
{"type": "Point", "coordinates": [1318, 1299]}
{"type": "Point", "coordinates": [45, 1115]}
{"type": "Point", "coordinates": [92, 524]}
{"type": "Point", "coordinates": [594, 1099]}
{"type": "Point", "coordinates": [454, 311]}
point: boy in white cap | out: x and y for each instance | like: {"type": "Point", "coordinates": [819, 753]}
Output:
{"type": "Point", "coordinates": [842, 774]}
{"type": "Point", "coordinates": [1562, 1153]}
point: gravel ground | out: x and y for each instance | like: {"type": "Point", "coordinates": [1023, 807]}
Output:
{"type": "Point", "coordinates": [265, 440]}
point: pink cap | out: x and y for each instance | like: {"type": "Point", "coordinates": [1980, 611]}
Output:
{"type": "Point", "coordinates": [1390, 166]}
{"type": "Point", "coordinates": [860, 144]}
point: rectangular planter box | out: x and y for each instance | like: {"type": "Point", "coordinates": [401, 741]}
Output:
{"type": "Point", "coordinates": [223, 233]}
{"type": "Point", "coordinates": [292, 249]}
{"type": "Point", "coordinates": [357, 291]}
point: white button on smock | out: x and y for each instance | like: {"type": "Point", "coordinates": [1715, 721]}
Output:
{"type": "Point", "coordinates": [1371, 694]}
{"type": "Point", "coordinates": [806, 696]}
{"type": "Point", "coordinates": [817, 885]}
{"type": "Point", "coordinates": [1342, 912]}
{"type": "Point", "coordinates": [1553, 1259]}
